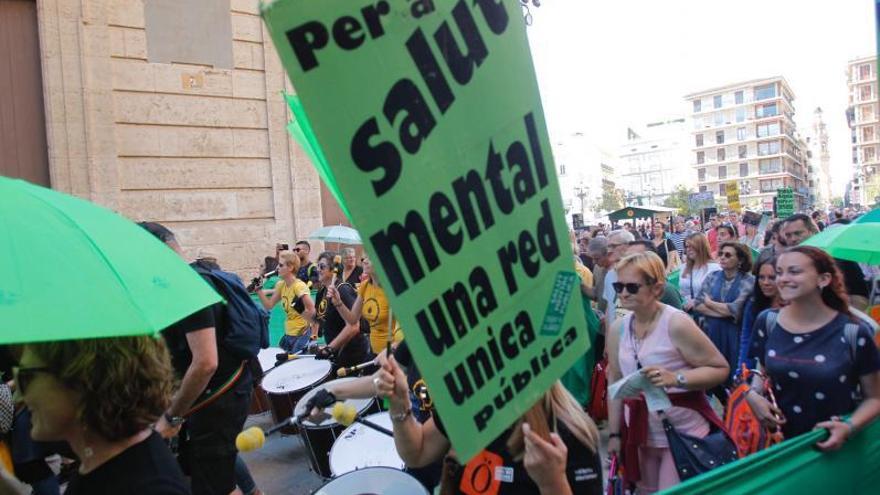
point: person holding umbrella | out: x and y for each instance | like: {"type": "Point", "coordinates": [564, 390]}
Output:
{"type": "Point", "coordinates": [101, 396]}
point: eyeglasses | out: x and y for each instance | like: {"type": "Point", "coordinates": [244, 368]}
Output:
{"type": "Point", "coordinates": [24, 376]}
{"type": "Point", "coordinates": [727, 254]}
{"type": "Point", "coordinates": [296, 250]}
{"type": "Point", "coordinates": [632, 287]}
{"type": "Point", "coordinates": [322, 266]}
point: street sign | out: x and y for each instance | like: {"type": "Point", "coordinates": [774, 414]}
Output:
{"type": "Point", "coordinates": [430, 119]}
{"type": "Point", "coordinates": [784, 202]}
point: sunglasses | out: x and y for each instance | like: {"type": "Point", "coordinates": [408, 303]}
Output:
{"type": "Point", "coordinates": [24, 376]}
{"type": "Point", "coordinates": [296, 250]}
{"type": "Point", "coordinates": [322, 266]}
{"type": "Point", "coordinates": [725, 254]}
{"type": "Point", "coordinates": [632, 287]}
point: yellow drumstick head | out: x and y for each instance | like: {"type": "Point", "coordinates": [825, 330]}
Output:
{"type": "Point", "coordinates": [344, 414]}
{"type": "Point", "coordinates": [251, 439]}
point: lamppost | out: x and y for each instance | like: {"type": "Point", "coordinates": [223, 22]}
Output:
{"type": "Point", "coordinates": [582, 192]}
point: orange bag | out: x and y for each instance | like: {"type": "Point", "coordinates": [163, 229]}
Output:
{"type": "Point", "coordinates": [747, 432]}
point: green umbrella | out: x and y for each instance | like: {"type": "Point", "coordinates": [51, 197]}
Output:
{"type": "Point", "coordinates": [854, 242]}
{"type": "Point", "coordinates": [70, 269]}
{"type": "Point", "coordinates": [870, 217]}
{"type": "Point", "coordinates": [336, 233]}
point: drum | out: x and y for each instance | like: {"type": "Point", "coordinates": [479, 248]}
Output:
{"type": "Point", "coordinates": [373, 480]}
{"type": "Point", "coordinates": [287, 384]}
{"type": "Point", "coordinates": [260, 401]}
{"type": "Point", "coordinates": [360, 447]}
{"type": "Point", "coordinates": [319, 438]}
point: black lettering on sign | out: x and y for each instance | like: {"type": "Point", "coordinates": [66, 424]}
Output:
{"type": "Point", "coordinates": [381, 156]}
{"type": "Point", "coordinates": [399, 238]}
{"type": "Point", "coordinates": [461, 65]}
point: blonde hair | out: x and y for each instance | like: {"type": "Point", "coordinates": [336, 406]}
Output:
{"type": "Point", "coordinates": [348, 251]}
{"type": "Point", "coordinates": [290, 259]}
{"type": "Point", "coordinates": [648, 264]}
{"type": "Point", "coordinates": [559, 405]}
{"type": "Point", "coordinates": [701, 247]}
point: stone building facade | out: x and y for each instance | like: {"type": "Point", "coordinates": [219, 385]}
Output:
{"type": "Point", "coordinates": [173, 112]}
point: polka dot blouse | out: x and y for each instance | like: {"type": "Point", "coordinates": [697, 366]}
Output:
{"type": "Point", "coordinates": [815, 375]}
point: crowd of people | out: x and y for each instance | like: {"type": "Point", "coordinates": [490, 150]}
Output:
{"type": "Point", "coordinates": [687, 305]}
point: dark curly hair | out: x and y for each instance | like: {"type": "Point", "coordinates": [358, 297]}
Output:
{"type": "Point", "coordinates": [125, 382]}
{"type": "Point", "coordinates": [743, 253]}
{"type": "Point", "coordinates": [834, 294]}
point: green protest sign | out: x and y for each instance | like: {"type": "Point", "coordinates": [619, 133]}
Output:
{"type": "Point", "coordinates": [784, 202]}
{"type": "Point", "coordinates": [429, 116]}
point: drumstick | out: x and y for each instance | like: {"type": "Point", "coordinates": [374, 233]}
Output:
{"type": "Point", "coordinates": [390, 333]}
{"type": "Point", "coordinates": [345, 415]}
{"type": "Point", "coordinates": [341, 372]}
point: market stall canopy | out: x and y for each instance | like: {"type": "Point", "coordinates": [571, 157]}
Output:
{"type": "Point", "coordinates": [640, 212]}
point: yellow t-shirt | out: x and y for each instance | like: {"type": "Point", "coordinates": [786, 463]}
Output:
{"type": "Point", "coordinates": [584, 273]}
{"type": "Point", "coordinates": [375, 311]}
{"type": "Point", "coordinates": [295, 324]}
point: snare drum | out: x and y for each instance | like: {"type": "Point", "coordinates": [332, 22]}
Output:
{"type": "Point", "coordinates": [288, 383]}
{"type": "Point", "coordinates": [360, 447]}
{"type": "Point", "coordinates": [374, 480]}
{"type": "Point", "coordinates": [260, 401]}
{"type": "Point", "coordinates": [319, 438]}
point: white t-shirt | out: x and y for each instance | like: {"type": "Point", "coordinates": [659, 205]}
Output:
{"type": "Point", "coordinates": [694, 280]}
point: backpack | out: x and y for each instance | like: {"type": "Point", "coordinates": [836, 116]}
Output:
{"type": "Point", "coordinates": [247, 325]}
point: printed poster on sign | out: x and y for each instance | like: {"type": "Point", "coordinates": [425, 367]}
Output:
{"type": "Point", "coordinates": [429, 115]}
{"type": "Point", "coordinates": [732, 190]}
{"type": "Point", "coordinates": [784, 202]}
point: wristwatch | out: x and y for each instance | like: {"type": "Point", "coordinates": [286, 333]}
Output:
{"type": "Point", "coordinates": [680, 380]}
{"type": "Point", "coordinates": [174, 421]}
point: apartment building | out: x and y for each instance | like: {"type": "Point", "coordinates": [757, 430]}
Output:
{"type": "Point", "coordinates": [585, 171]}
{"type": "Point", "coordinates": [654, 159]}
{"type": "Point", "coordinates": [745, 132]}
{"type": "Point", "coordinates": [862, 116]}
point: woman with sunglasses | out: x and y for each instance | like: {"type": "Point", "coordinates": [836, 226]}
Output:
{"type": "Point", "coordinates": [720, 302]}
{"type": "Point", "coordinates": [101, 396]}
{"type": "Point", "coordinates": [295, 299]}
{"type": "Point", "coordinates": [667, 347]}
{"type": "Point", "coordinates": [338, 322]}
{"type": "Point", "coordinates": [372, 305]}
{"type": "Point", "coordinates": [820, 359]}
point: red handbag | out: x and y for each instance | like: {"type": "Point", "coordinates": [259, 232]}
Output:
{"type": "Point", "coordinates": [598, 406]}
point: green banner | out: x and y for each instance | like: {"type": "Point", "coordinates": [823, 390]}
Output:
{"type": "Point", "coordinates": [784, 202]}
{"type": "Point", "coordinates": [796, 466]}
{"type": "Point", "coordinates": [429, 116]}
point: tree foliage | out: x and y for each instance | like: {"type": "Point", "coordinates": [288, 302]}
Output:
{"type": "Point", "coordinates": [680, 199]}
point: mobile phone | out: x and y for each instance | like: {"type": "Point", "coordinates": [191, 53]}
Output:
{"type": "Point", "coordinates": [285, 247]}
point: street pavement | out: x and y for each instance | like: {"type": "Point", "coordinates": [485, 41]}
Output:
{"type": "Point", "coordinates": [281, 467]}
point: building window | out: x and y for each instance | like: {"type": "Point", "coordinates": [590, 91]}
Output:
{"type": "Point", "coordinates": [742, 150]}
{"type": "Point", "coordinates": [702, 188]}
{"type": "Point", "coordinates": [866, 113]}
{"type": "Point", "coordinates": [721, 154]}
{"type": "Point", "coordinates": [698, 105]}
{"type": "Point", "coordinates": [741, 114]}
{"type": "Point", "coordinates": [768, 148]}
{"type": "Point", "coordinates": [716, 101]}
{"type": "Point", "coordinates": [699, 139]}
{"type": "Point", "coordinates": [765, 92]}
{"type": "Point", "coordinates": [771, 185]}
{"type": "Point", "coordinates": [864, 71]}
{"type": "Point", "coordinates": [701, 174]}
{"type": "Point", "coordinates": [866, 92]}
{"type": "Point", "coordinates": [770, 166]}
{"type": "Point", "coordinates": [722, 189]}
{"type": "Point", "coordinates": [719, 118]}
{"type": "Point", "coordinates": [722, 171]}
{"type": "Point", "coordinates": [870, 154]}
{"type": "Point", "coordinates": [719, 137]}
{"type": "Point", "coordinates": [765, 130]}
{"type": "Point", "coordinates": [743, 169]}
{"type": "Point", "coordinates": [867, 134]}
{"type": "Point", "coordinates": [738, 97]}
{"type": "Point", "coordinates": [701, 157]}
{"type": "Point", "coordinates": [768, 110]}
{"type": "Point", "coordinates": [741, 133]}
